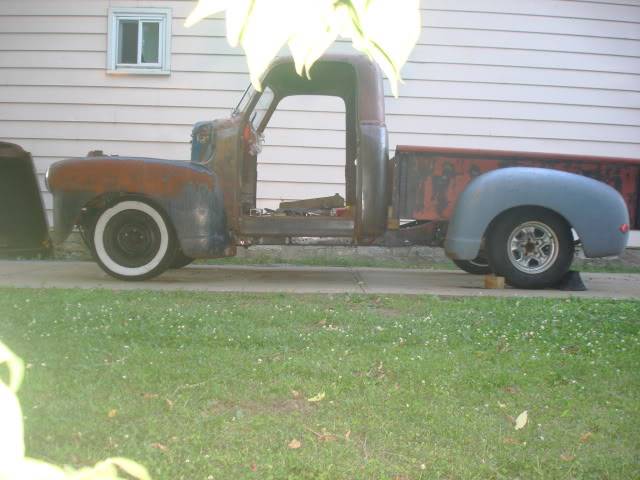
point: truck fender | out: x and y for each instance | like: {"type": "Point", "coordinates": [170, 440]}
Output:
{"type": "Point", "coordinates": [188, 194]}
{"type": "Point", "coordinates": [593, 209]}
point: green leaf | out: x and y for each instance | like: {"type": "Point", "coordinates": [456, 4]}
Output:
{"type": "Point", "coordinates": [384, 30]}
{"type": "Point", "coordinates": [130, 467]}
{"type": "Point", "coordinates": [15, 365]}
{"type": "Point", "coordinates": [11, 433]}
{"type": "Point", "coordinates": [33, 470]}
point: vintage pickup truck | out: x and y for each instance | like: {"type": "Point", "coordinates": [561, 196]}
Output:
{"type": "Point", "coordinates": [140, 216]}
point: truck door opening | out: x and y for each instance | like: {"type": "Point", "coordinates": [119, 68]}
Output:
{"type": "Point", "coordinates": [299, 172]}
{"type": "Point", "coordinates": [303, 157]}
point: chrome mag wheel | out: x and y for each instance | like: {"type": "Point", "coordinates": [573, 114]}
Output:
{"type": "Point", "coordinates": [533, 247]}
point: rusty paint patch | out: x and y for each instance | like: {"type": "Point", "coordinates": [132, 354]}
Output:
{"type": "Point", "coordinates": [100, 175]}
{"type": "Point", "coordinates": [434, 179]}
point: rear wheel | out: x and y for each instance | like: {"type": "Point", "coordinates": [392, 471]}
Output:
{"type": "Point", "coordinates": [531, 248]}
{"type": "Point", "coordinates": [477, 266]}
{"type": "Point", "coordinates": [181, 260]}
{"type": "Point", "coordinates": [133, 240]}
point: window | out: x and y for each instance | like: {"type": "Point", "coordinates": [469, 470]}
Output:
{"type": "Point", "coordinates": [262, 107]}
{"type": "Point", "coordinates": [139, 40]}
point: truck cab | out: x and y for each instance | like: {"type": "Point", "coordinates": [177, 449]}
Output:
{"type": "Point", "coordinates": [231, 149]}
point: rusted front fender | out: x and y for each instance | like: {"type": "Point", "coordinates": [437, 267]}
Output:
{"type": "Point", "coordinates": [187, 193]}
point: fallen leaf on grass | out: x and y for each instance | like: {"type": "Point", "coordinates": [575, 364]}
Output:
{"type": "Point", "coordinates": [294, 444]}
{"type": "Point", "coordinates": [149, 396]}
{"type": "Point", "coordinates": [112, 413]}
{"type": "Point", "coordinates": [503, 346]}
{"type": "Point", "coordinates": [326, 436]}
{"type": "Point", "coordinates": [511, 441]}
{"type": "Point", "coordinates": [317, 398]}
{"type": "Point", "coordinates": [347, 435]}
{"type": "Point", "coordinates": [567, 457]}
{"type": "Point", "coordinates": [521, 421]}
{"type": "Point", "coordinates": [295, 394]}
{"type": "Point", "coordinates": [512, 390]}
{"type": "Point", "coordinates": [169, 403]}
{"type": "Point", "coordinates": [254, 467]}
{"type": "Point", "coordinates": [502, 405]}
{"type": "Point", "coordinates": [160, 447]}
{"type": "Point", "coordinates": [571, 349]}
{"type": "Point", "coordinates": [585, 437]}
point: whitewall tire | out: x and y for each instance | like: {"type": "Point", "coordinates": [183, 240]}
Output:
{"type": "Point", "coordinates": [133, 240]}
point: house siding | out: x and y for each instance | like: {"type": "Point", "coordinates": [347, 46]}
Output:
{"type": "Point", "coordinates": [533, 75]}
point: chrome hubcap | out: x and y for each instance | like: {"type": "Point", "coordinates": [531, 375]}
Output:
{"type": "Point", "coordinates": [532, 247]}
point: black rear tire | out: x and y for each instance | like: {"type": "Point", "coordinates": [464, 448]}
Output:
{"type": "Point", "coordinates": [531, 247]}
{"type": "Point", "coordinates": [477, 266]}
{"type": "Point", "coordinates": [181, 260]}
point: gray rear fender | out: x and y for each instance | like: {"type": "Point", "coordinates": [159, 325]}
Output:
{"type": "Point", "coordinates": [593, 209]}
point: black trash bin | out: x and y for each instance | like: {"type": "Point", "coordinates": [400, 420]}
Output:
{"type": "Point", "coordinates": [24, 232]}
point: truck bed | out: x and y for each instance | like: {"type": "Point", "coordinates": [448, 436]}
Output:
{"type": "Point", "coordinates": [428, 180]}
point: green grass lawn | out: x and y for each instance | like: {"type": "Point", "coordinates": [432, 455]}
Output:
{"type": "Point", "coordinates": [216, 386]}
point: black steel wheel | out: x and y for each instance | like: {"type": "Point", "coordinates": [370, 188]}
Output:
{"type": "Point", "coordinates": [133, 240]}
{"type": "Point", "coordinates": [531, 247]}
{"type": "Point", "coordinates": [477, 266]}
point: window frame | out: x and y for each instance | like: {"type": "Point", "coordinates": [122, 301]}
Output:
{"type": "Point", "coordinates": [160, 15]}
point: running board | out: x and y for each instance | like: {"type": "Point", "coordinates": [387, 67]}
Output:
{"type": "Point", "coordinates": [291, 226]}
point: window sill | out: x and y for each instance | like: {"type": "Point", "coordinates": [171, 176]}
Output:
{"type": "Point", "coordinates": [138, 71]}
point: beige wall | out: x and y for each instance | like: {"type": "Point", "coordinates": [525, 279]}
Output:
{"type": "Point", "coordinates": [531, 75]}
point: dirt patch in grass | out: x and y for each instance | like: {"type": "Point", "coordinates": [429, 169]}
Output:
{"type": "Point", "coordinates": [388, 312]}
{"type": "Point", "coordinates": [281, 406]}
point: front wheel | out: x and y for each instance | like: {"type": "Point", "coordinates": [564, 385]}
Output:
{"type": "Point", "coordinates": [530, 247]}
{"type": "Point", "coordinates": [133, 240]}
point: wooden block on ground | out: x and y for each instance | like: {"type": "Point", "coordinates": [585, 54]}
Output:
{"type": "Point", "coordinates": [493, 281]}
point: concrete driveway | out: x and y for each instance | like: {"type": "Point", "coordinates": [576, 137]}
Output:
{"type": "Point", "coordinates": [293, 279]}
